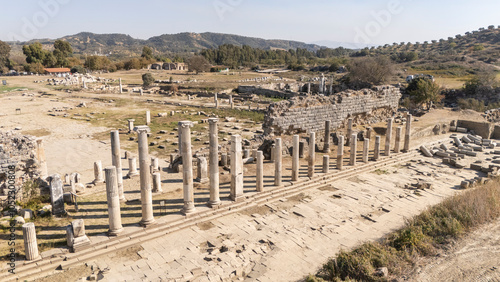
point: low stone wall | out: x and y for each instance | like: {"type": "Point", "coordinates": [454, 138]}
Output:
{"type": "Point", "coordinates": [483, 129]}
{"type": "Point", "coordinates": [308, 114]}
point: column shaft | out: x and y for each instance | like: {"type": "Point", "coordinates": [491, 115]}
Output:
{"type": "Point", "coordinates": [113, 198]}
{"type": "Point", "coordinates": [146, 195]}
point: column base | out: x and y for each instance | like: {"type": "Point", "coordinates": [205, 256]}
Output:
{"type": "Point", "coordinates": [147, 222]}
{"type": "Point", "coordinates": [130, 175]}
{"type": "Point", "coordinates": [188, 208]}
{"type": "Point", "coordinates": [123, 200]}
{"type": "Point", "coordinates": [98, 181]}
{"type": "Point", "coordinates": [214, 203]}
{"type": "Point", "coordinates": [239, 198]}
{"type": "Point", "coordinates": [115, 232]}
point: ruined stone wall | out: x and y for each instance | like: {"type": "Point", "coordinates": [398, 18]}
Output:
{"type": "Point", "coordinates": [307, 114]}
{"type": "Point", "coordinates": [20, 151]}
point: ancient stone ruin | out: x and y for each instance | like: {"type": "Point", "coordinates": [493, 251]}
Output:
{"type": "Point", "coordinates": [308, 114]}
{"type": "Point", "coordinates": [26, 154]}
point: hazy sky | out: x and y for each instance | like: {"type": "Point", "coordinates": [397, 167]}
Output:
{"type": "Point", "coordinates": [356, 21]}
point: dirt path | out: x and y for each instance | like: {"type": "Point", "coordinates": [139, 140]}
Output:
{"type": "Point", "coordinates": [475, 258]}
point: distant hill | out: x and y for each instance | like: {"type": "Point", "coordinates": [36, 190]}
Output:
{"type": "Point", "coordinates": [125, 45]}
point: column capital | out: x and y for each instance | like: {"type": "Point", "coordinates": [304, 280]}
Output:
{"type": "Point", "coordinates": [185, 124]}
{"type": "Point", "coordinates": [213, 120]}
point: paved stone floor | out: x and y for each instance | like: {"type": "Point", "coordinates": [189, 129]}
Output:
{"type": "Point", "coordinates": [288, 239]}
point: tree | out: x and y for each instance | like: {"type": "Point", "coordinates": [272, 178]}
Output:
{"type": "Point", "coordinates": [198, 64]}
{"type": "Point", "coordinates": [147, 80]}
{"type": "Point", "coordinates": [4, 56]}
{"type": "Point", "coordinates": [34, 53]}
{"type": "Point", "coordinates": [368, 71]}
{"type": "Point", "coordinates": [481, 83]}
{"type": "Point", "coordinates": [62, 51]}
{"type": "Point", "coordinates": [147, 53]}
{"type": "Point", "coordinates": [423, 90]}
{"type": "Point", "coordinates": [95, 63]}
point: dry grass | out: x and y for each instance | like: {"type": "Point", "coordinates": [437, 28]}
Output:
{"type": "Point", "coordinates": [423, 235]}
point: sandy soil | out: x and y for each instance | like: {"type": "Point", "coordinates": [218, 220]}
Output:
{"type": "Point", "coordinates": [474, 258]}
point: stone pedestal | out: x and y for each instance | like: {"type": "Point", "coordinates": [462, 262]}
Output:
{"type": "Point", "coordinates": [148, 117]}
{"type": "Point", "coordinates": [187, 166]}
{"type": "Point", "coordinates": [366, 150]}
{"type": "Point", "coordinates": [146, 194]}
{"type": "Point", "coordinates": [216, 101]}
{"type": "Point", "coordinates": [326, 146]}
{"type": "Point", "coordinates": [326, 163]}
{"type": "Point", "coordinates": [98, 175]}
{"type": "Point", "coordinates": [115, 219]}
{"type": "Point", "coordinates": [295, 158]}
{"type": "Point", "coordinates": [116, 161]}
{"type": "Point", "coordinates": [30, 244]}
{"type": "Point", "coordinates": [407, 133]}
{"type": "Point", "coordinates": [397, 146]}
{"type": "Point", "coordinates": [273, 151]}
{"type": "Point", "coordinates": [236, 168]}
{"type": "Point", "coordinates": [75, 236]}
{"type": "Point", "coordinates": [388, 137]}
{"type": "Point", "coordinates": [157, 183]}
{"type": "Point", "coordinates": [260, 172]}
{"type": "Point", "coordinates": [130, 125]}
{"type": "Point", "coordinates": [214, 161]}
{"type": "Point", "coordinates": [312, 154]}
{"type": "Point", "coordinates": [340, 153]}
{"type": "Point", "coordinates": [155, 163]}
{"type": "Point", "coordinates": [132, 167]}
{"type": "Point", "coordinates": [354, 145]}
{"type": "Point", "coordinates": [277, 162]}
{"type": "Point", "coordinates": [202, 171]}
{"type": "Point", "coordinates": [376, 150]}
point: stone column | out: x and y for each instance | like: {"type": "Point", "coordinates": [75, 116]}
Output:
{"type": "Point", "coordinates": [326, 146]}
{"type": "Point", "coordinates": [146, 195]}
{"type": "Point", "coordinates": [116, 161]}
{"type": "Point", "coordinates": [202, 171]}
{"type": "Point", "coordinates": [187, 166]}
{"type": "Point", "coordinates": [366, 150]}
{"type": "Point", "coordinates": [141, 92]}
{"type": "Point", "coordinates": [368, 133]}
{"type": "Point", "coordinates": [309, 88]}
{"type": "Point", "coordinates": [349, 131]}
{"type": "Point", "coordinates": [388, 137]}
{"type": "Point", "coordinates": [30, 244]}
{"type": "Point", "coordinates": [273, 151]}
{"type": "Point", "coordinates": [312, 154]}
{"type": "Point", "coordinates": [84, 85]}
{"type": "Point", "coordinates": [354, 145]}
{"type": "Point", "coordinates": [157, 183]}
{"type": "Point", "coordinates": [340, 153]}
{"type": "Point", "coordinates": [295, 158]}
{"type": "Point", "coordinates": [223, 159]}
{"type": "Point", "coordinates": [260, 172]}
{"type": "Point", "coordinates": [407, 133]}
{"type": "Point", "coordinates": [148, 117]}
{"type": "Point", "coordinates": [130, 125]}
{"type": "Point", "coordinates": [132, 167]}
{"type": "Point", "coordinates": [236, 168]}
{"type": "Point", "coordinates": [302, 144]}
{"type": "Point", "coordinates": [121, 91]}
{"type": "Point", "coordinates": [231, 101]}
{"type": "Point", "coordinates": [216, 101]}
{"type": "Point", "coordinates": [277, 162]}
{"type": "Point", "coordinates": [98, 177]}
{"type": "Point", "coordinates": [397, 147]}
{"type": "Point", "coordinates": [115, 219]}
{"type": "Point", "coordinates": [326, 163]}
{"type": "Point", "coordinates": [40, 155]}
{"type": "Point", "coordinates": [214, 160]}
{"type": "Point", "coordinates": [376, 150]}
